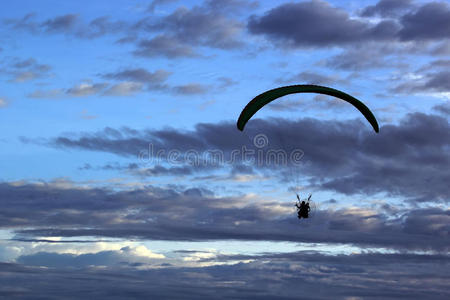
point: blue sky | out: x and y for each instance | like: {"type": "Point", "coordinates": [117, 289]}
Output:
{"type": "Point", "coordinates": [91, 91]}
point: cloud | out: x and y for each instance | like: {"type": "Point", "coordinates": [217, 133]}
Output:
{"type": "Point", "coordinates": [69, 24]}
{"type": "Point", "coordinates": [86, 116]}
{"type": "Point", "coordinates": [443, 108]}
{"type": "Point", "coordinates": [308, 77]}
{"type": "Point", "coordinates": [436, 64]}
{"type": "Point", "coordinates": [225, 82]}
{"type": "Point", "coordinates": [152, 80]}
{"type": "Point", "coordinates": [432, 78]}
{"type": "Point", "coordinates": [156, 3]}
{"type": "Point", "coordinates": [22, 70]}
{"type": "Point", "coordinates": [318, 103]}
{"type": "Point", "coordinates": [190, 89]}
{"type": "Point", "coordinates": [63, 23]}
{"type": "Point", "coordinates": [231, 6]}
{"type": "Point", "coordinates": [102, 26]}
{"type": "Point", "coordinates": [157, 170]}
{"type": "Point", "coordinates": [196, 214]}
{"type": "Point", "coordinates": [431, 82]}
{"type": "Point", "coordinates": [174, 35]}
{"type": "Point", "coordinates": [360, 58]}
{"type": "Point", "coordinates": [163, 46]}
{"type": "Point", "coordinates": [140, 75]}
{"type": "Point", "coordinates": [178, 33]}
{"type": "Point", "coordinates": [129, 255]}
{"type": "Point", "coordinates": [85, 89]}
{"type": "Point", "coordinates": [50, 94]}
{"type": "Point", "coordinates": [387, 8]}
{"type": "Point", "coordinates": [3, 102]}
{"type": "Point", "coordinates": [124, 89]}
{"type": "Point", "coordinates": [27, 23]}
{"type": "Point", "coordinates": [302, 25]}
{"type": "Point", "coordinates": [200, 26]}
{"type": "Point", "coordinates": [31, 63]}
{"type": "Point", "coordinates": [277, 276]}
{"type": "Point", "coordinates": [429, 22]}
{"type": "Point", "coordinates": [294, 25]}
{"type": "Point", "coordinates": [411, 152]}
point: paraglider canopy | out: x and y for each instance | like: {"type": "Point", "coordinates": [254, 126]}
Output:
{"type": "Point", "coordinates": [259, 101]}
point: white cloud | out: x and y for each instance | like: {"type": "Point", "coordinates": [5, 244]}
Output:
{"type": "Point", "coordinates": [3, 102]}
{"type": "Point", "coordinates": [124, 89]}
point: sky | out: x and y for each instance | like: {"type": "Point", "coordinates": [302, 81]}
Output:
{"type": "Point", "coordinates": [123, 174]}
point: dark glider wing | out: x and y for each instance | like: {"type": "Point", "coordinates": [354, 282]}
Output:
{"type": "Point", "coordinates": [259, 101]}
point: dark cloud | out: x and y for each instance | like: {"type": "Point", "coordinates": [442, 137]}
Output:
{"type": "Point", "coordinates": [156, 3]}
{"type": "Point", "coordinates": [127, 39]}
{"type": "Point", "coordinates": [185, 28]}
{"type": "Point", "coordinates": [360, 58]}
{"type": "Point", "coordinates": [277, 276]}
{"type": "Point", "coordinates": [432, 77]}
{"type": "Point", "coordinates": [231, 6]}
{"type": "Point", "coordinates": [134, 81]}
{"type": "Point", "coordinates": [177, 34]}
{"type": "Point", "coordinates": [430, 21]}
{"type": "Point", "coordinates": [436, 64]}
{"type": "Point", "coordinates": [302, 24]}
{"type": "Point", "coordinates": [70, 24]}
{"type": "Point", "coordinates": [225, 82]}
{"type": "Point", "coordinates": [431, 82]}
{"type": "Point", "coordinates": [242, 169]}
{"type": "Point", "coordinates": [110, 166]}
{"type": "Point", "coordinates": [200, 26]}
{"type": "Point", "coordinates": [27, 23]}
{"type": "Point", "coordinates": [439, 82]}
{"type": "Point", "coordinates": [129, 142]}
{"type": "Point", "coordinates": [155, 171]}
{"type": "Point", "coordinates": [443, 108]}
{"type": "Point", "coordinates": [164, 46]}
{"type": "Point", "coordinates": [63, 23]}
{"type": "Point", "coordinates": [409, 158]}
{"type": "Point", "coordinates": [442, 49]}
{"type": "Point", "coordinates": [31, 63]}
{"type": "Point", "coordinates": [308, 77]}
{"type": "Point", "coordinates": [401, 157]}
{"type": "Point", "coordinates": [140, 75]}
{"type": "Point", "coordinates": [191, 89]}
{"type": "Point", "coordinates": [196, 214]}
{"type": "Point", "coordinates": [102, 26]}
{"type": "Point", "coordinates": [21, 70]}
{"type": "Point", "coordinates": [387, 8]}
{"type": "Point", "coordinates": [159, 170]}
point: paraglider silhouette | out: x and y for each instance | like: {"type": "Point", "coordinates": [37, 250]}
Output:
{"type": "Point", "coordinates": [303, 208]}
{"type": "Point", "coordinates": [261, 100]}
